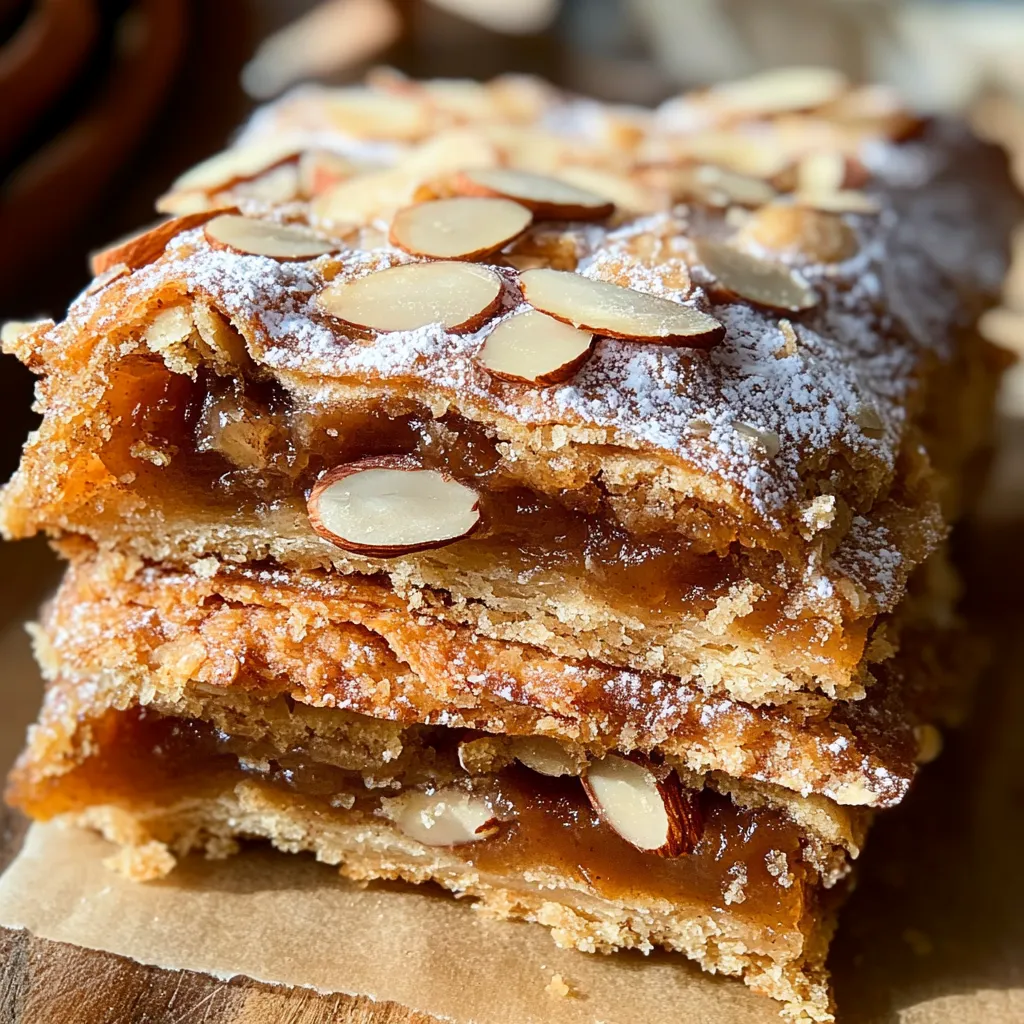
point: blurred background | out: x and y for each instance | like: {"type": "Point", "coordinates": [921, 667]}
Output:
{"type": "Point", "coordinates": [104, 102]}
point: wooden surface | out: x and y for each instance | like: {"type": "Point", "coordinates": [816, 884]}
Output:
{"type": "Point", "coordinates": [934, 932]}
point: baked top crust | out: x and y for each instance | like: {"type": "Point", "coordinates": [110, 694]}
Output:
{"type": "Point", "coordinates": [741, 441]}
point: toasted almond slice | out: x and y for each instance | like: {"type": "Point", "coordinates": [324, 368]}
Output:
{"type": "Point", "coordinates": [459, 296]}
{"type": "Point", "coordinates": [651, 814]}
{"type": "Point", "coordinates": [265, 238]}
{"type": "Point", "coordinates": [320, 170]}
{"type": "Point", "coordinates": [449, 817]}
{"type": "Point", "coordinates": [717, 186]}
{"type": "Point", "coordinates": [388, 506]}
{"type": "Point", "coordinates": [617, 312]}
{"type": "Point", "coordinates": [239, 163]}
{"type": "Point", "coordinates": [798, 231]}
{"type": "Point", "coordinates": [821, 173]}
{"type": "Point", "coordinates": [756, 280]}
{"type": "Point", "coordinates": [625, 192]}
{"type": "Point", "coordinates": [548, 198]}
{"type": "Point", "coordinates": [532, 348]}
{"type": "Point", "coordinates": [368, 114]}
{"type": "Point", "coordinates": [279, 185]}
{"type": "Point", "coordinates": [139, 250]}
{"type": "Point", "coordinates": [112, 273]}
{"type": "Point", "coordinates": [843, 201]}
{"type": "Point", "coordinates": [546, 756]}
{"type": "Point", "coordinates": [365, 197]}
{"type": "Point", "coordinates": [753, 155]}
{"type": "Point", "coordinates": [462, 227]}
{"type": "Point", "coordinates": [778, 91]}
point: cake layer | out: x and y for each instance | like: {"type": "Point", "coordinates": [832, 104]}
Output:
{"type": "Point", "coordinates": [748, 895]}
{"type": "Point", "coordinates": [646, 499]}
{"type": "Point", "coordinates": [117, 630]}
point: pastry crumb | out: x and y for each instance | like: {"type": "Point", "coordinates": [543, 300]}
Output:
{"type": "Point", "coordinates": [559, 987]}
{"type": "Point", "coordinates": [144, 863]}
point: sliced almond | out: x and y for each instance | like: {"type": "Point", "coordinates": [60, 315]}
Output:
{"type": "Point", "coordinates": [759, 281]}
{"type": "Point", "coordinates": [532, 348]}
{"type": "Point", "coordinates": [266, 238]}
{"type": "Point", "coordinates": [617, 312]}
{"type": "Point", "coordinates": [239, 163]}
{"type": "Point", "coordinates": [548, 198]}
{"type": "Point", "coordinates": [464, 228]}
{"type": "Point", "coordinates": [449, 817]}
{"type": "Point", "coordinates": [320, 170]}
{"type": "Point", "coordinates": [754, 155]}
{"type": "Point", "coordinates": [112, 273]}
{"type": "Point", "coordinates": [368, 114]}
{"type": "Point", "coordinates": [280, 185]}
{"type": "Point", "coordinates": [139, 250]}
{"type": "Point", "coordinates": [364, 198]}
{"type": "Point", "coordinates": [828, 171]}
{"type": "Point", "coordinates": [388, 506]}
{"type": "Point", "coordinates": [546, 756]}
{"type": "Point", "coordinates": [620, 189]}
{"type": "Point", "coordinates": [778, 91]}
{"type": "Point", "coordinates": [652, 814]}
{"type": "Point", "coordinates": [459, 296]}
{"type": "Point", "coordinates": [798, 231]}
{"type": "Point", "coordinates": [712, 186]}
{"type": "Point", "coordinates": [843, 201]}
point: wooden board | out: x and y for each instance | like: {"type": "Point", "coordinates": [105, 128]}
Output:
{"type": "Point", "coordinates": [937, 920]}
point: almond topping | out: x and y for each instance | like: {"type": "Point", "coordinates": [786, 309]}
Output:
{"type": "Point", "coordinates": [266, 238]}
{"type": "Point", "coordinates": [545, 756]}
{"type": "Point", "coordinates": [779, 91]}
{"type": "Point", "coordinates": [799, 232]}
{"type": "Point", "coordinates": [825, 172]}
{"type": "Point", "coordinates": [388, 506]}
{"type": "Point", "coordinates": [320, 170]}
{"type": "Point", "coordinates": [139, 250]}
{"type": "Point", "coordinates": [651, 814]}
{"type": "Point", "coordinates": [236, 164]}
{"type": "Point", "coordinates": [531, 348]}
{"type": "Point", "coordinates": [449, 817]}
{"type": "Point", "coordinates": [617, 312]}
{"type": "Point", "coordinates": [759, 281]}
{"type": "Point", "coordinates": [462, 228]}
{"type": "Point", "coordinates": [548, 198]}
{"type": "Point", "coordinates": [459, 296]}
{"type": "Point", "coordinates": [843, 201]}
{"type": "Point", "coordinates": [712, 186]}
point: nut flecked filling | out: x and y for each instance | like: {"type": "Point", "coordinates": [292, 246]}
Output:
{"type": "Point", "coordinates": [512, 824]}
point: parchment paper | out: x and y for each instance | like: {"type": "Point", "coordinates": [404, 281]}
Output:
{"type": "Point", "coordinates": [933, 935]}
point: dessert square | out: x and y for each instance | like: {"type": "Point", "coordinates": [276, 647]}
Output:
{"type": "Point", "coordinates": [476, 484]}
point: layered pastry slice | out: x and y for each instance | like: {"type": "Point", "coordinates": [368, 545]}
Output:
{"type": "Point", "coordinates": [712, 440]}
{"type": "Point", "coordinates": [474, 484]}
{"type": "Point", "coordinates": [618, 809]}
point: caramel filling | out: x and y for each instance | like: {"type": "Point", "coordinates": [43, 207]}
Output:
{"type": "Point", "coordinates": [237, 449]}
{"type": "Point", "coordinates": [748, 861]}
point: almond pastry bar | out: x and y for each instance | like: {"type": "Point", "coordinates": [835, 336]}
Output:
{"type": "Point", "coordinates": [476, 484]}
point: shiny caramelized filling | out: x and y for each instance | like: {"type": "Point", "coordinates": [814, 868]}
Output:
{"type": "Point", "coordinates": [242, 448]}
{"type": "Point", "coordinates": [547, 823]}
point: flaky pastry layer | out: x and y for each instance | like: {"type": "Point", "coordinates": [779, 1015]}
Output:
{"type": "Point", "coordinates": [117, 630]}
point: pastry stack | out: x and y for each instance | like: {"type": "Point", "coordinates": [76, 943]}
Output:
{"type": "Point", "coordinates": [475, 484]}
